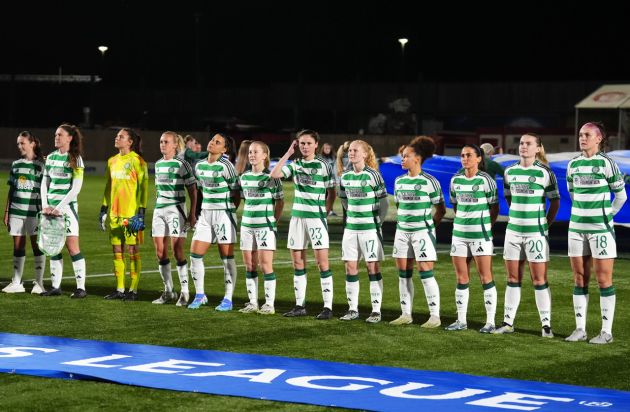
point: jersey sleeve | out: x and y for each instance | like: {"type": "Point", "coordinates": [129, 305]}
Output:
{"type": "Point", "coordinates": [614, 177]}
{"type": "Point", "coordinates": [569, 178]}
{"type": "Point", "coordinates": [277, 192]}
{"type": "Point", "coordinates": [142, 193]}
{"type": "Point", "coordinates": [491, 191]}
{"type": "Point", "coordinates": [329, 178]}
{"type": "Point", "coordinates": [108, 186]}
{"type": "Point", "coordinates": [379, 186]}
{"type": "Point", "coordinates": [506, 185]}
{"type": "Point", "coordinates": [451, 192]}
{"type": "Point", "coordinates": [230, 176]}
{"type": "Point", "coordinates": [551, 191]}
{"type": "Point", "coordinates": [341, 193]}
{"type": "Point", "coordinates": [436, 195]}
{"type": "Point", "coordinates": [187, 174]}
{"type": "Point", "coordinates": [287, 170]}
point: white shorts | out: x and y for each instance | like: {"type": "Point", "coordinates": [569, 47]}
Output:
{"type": "Point", "coordinates": [169, 221]}
{"type": "Point", "coordinates": [216, 226]}
{"type": "Point", "coordinates": [23, 226]}
{"type": "Point", "coordinates": [302, 230]}
{"type": "Point", "coordinates": [597, 245]}
{"type": "Point", "coordinates": [357, 244]}
{"type": "Point", "coordinates": [533, 248]}
{"type": "Point", "coordinates": [419, 244]}
{"type": "Point", "coordinates": [261, 238]}
{"type": "Point", "coordinates": [468, 248]}
{"type": "Point", "coordinates": [71, 215]}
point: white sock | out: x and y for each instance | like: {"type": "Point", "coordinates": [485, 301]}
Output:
{"type": "Point", "coordinates": [299, 287]}
{"type": "Point", "coordinates": [461, 301]}
{"type": "Point", "coordinates": [56, 271]}
{"type": "Point", "coordinates": [405, 288]}
{"type": "Point", "coordinates": [270, 288]}
{"type": "Point", "coordinates": [326, 282]}
{"type": "Point", "coordinates": [165, 272]}
{"type": "Point", "coordinates": [431, 293]}
{"type": "Point", "coordinates": [543, 303]}
{"type": "Point", "coordinates": [607, 307]}
{"type": "Point", "coordinates": [580, 305]}
{"type": "Point", "coordinates": [352, 291]}
{"type": "Point", "coordinates": [40, 267]}
{"type": "Point", "coordinates": [376, 296]}
{"type": "Point", "coordinates": [18, 269]}
{"type": "Point", "coordinates": [251, 283]}
{"type": "Point", "coordinates": [490, 301]}
{"type": "Point", "coordinates": [79, 270]}
{"type": "Point", "coordinates": [512, 300]}
{"type": "Point", "coordinates": [229, 274]}
{"type": "Point", "coordinates": [197, 272]}
{"type": "Point", "coordinates": [182, 273]}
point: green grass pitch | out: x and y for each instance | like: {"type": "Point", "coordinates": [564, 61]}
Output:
{"type": "Point", "coordinates": [522, 355]}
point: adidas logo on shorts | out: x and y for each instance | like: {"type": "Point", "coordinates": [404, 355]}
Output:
{"type": "Point", "coordinates": [319, 243]}
{"type": "Point", "coordinates": [372, 256]}
{"type": "Point", "coordinates": [263, 244]}
{"type": "Point", "coordinates": [223, 238]}
{"type": "Point", "coordinates": [603, 253]}
{"type": "Point", "coordinates": [423, 255]}
{"type": "Point", "coordinates": [479, 249]}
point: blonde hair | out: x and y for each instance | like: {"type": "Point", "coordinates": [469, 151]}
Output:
{"type": "Point", "coordinates": [177, 139]}
{"type": "Point", "coordinates": [341, 152]}
{"type": "Point", "coordinates": [370, 160]}
{"type": "Point", "coordinates": [540, 155]}
{"type": "Point", "coordinates": [265, 150]}
{"type": "Point", "coordinates": [241, 158]}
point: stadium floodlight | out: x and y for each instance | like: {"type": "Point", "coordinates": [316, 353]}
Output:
{"type": "Point", "coordinates": [103, 49]}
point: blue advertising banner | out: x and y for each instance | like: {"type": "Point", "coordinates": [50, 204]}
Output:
{"type": "Point", "coordinates": [292, 380]}
{"type": "Point", "coordinates": [444, 167]}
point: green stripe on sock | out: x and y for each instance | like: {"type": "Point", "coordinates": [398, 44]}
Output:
{"type": "Point", "coordinates": [325, 274]}
{"type": "Point", "coordinates": [579, 290]}
{"type": "Point", "coordinates": [426, 274]}
{"type": "Point", "coordinates": [488, 285]}
{"type": "Point", "coordinates": [378, 276]}
{"type": "Point", "coordinates": [196, 256]}
{"type": "Point", "coordinates": [270, 276]}
{"type": "Point", "coordinates": [409, 273]}
{"type": "Point", "coordinates": [609, 291]}
{"type": "Point", "coordinates": [227, 257]}
{"type": "Point", "coordinates": [352, 278]}
{"type": "Point", "coordinates": [56, 257]}
{"type": "Point", "coordinates": [372, 278]}
{"type": "Point", "coordinates": [299, 272]}
{"type": "Point", "coordinates": [462, 286]}
{"type": "Point", "coordinates": [402, 274]}
{"type": "Point", "coordinates": [514, 284]}
{"type": "Point", "coordinates": [251, 275]}
{"type": "Point", "coordinates": [541, 287]}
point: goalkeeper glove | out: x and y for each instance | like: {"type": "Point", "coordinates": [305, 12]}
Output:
{"type": "Point", "coordinates": [136, 223]}
{"type": "Point", "coordinates": [102, 217]}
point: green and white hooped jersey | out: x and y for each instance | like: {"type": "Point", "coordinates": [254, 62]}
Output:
{"type": "Point", "coordinates": [414, 199]}
{"type": "Point", "coordinates": [171, 178]}
{"type": "Point", "coordinates": [363, 191]}
{"type": "Point", "coordinates": [473, 197]}
{"type": "Point", "coordinates": [217, 180]}
{"type": "Point", "coordinates": [61, 175]}
{"type": "Point", "coordinates": [528, 188]}
{"type": "Point", "coordinates": [311, 179]}
{"type": "Point", "coordinates": [25, 179]}
{"type": "Point", "coordinates": [591, 180]}
{"type": "Point", "coordinates": [260, 192]}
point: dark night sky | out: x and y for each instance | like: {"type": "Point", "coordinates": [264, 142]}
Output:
{"type": "Point", "coordinates": [257, 42]}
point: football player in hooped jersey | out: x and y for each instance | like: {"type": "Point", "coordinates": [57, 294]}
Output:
{"type": "Point", "coordinates": [173, 177]}
{"type": "Point", "coordinates": [591, 178]}
{"type": "Point", "coordinates": [416, 193]}
{"type": "Point", "coordinates": [473, 194]}
{"type": "Point", "coordinates": [61, 184]}
{"type": "Point", "coordinates": [527, 185]}
{"type": "Point", "coordinates": [217, 222]}
{"type": "Point", "coordinates": [362, 193]}
{"type": "Point", "coordinates": [314, 196]}
{"type": "Point", "coordinates": [263, 206]}
{"type": "Point", "coordinates": [20, 215]}
{"type": "Point", "coordinates": [125, 195]}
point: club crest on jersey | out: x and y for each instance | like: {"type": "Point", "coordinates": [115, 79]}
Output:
{"type": "Point", "coordinates": [595, 169]}
{"type": "Point", "coordinates": [262, 183]}
{"type": "Point", "coordinates": [215, 173]}
{"type": "Point", "coordinates": [127, 165]}
{"type": "Point", "coordinates": [532, 179]}
{"type": "Point", "coordinates": [363, 182]}
{"type": "Point", "coordinates": [475, 188]}
{"type": "Point", "coordinates": [417, 187]}
{"type": "Point", "coordinates": [314, 171]}
{"type": "Point", "coordinates": [171, 170]}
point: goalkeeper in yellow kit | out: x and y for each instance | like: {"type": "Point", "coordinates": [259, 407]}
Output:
{"type": "Point", "coordinates": [126, 197]}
